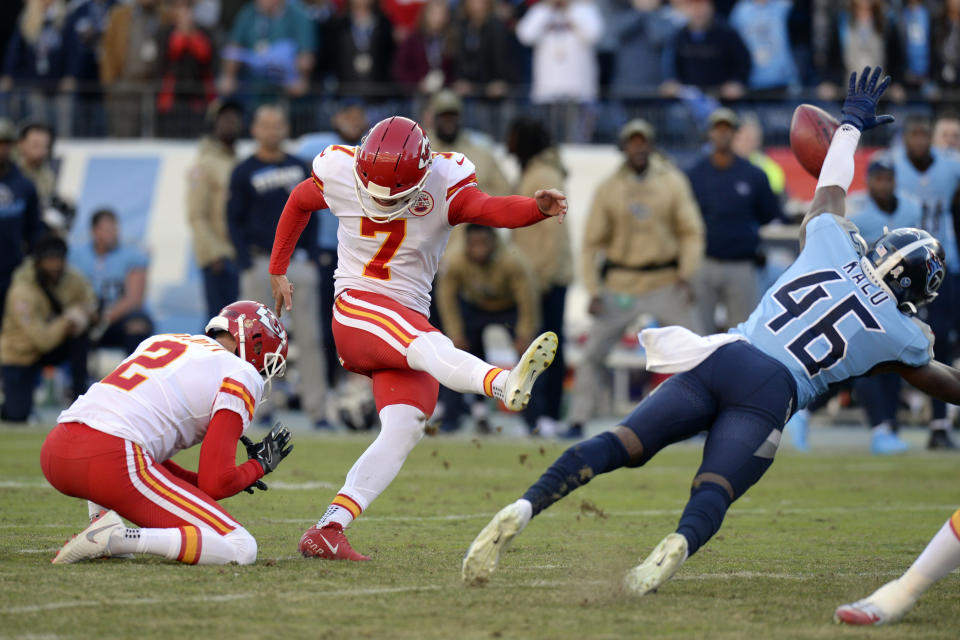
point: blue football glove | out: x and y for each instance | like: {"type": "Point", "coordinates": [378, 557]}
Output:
{"type": "Point", "coordinates": [860, 107]}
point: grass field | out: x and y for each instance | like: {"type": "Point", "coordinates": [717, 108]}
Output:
{"type": "Point", "coordinates": [817, 531]}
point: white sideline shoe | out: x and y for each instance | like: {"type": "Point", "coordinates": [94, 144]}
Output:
{"type": "Point", "coordinates": [887, 604]}
{"type": "Point", "coordinates": [482, 557]}
{"type": "Point", "coordinates": [533, 362]}
{"type": "Point", "coordinates": [664, 561]}
{"type": "Point", "coordinates": [92, 542]}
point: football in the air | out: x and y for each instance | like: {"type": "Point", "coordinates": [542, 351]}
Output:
{"type": "Point", "coordinates": [811, 131]}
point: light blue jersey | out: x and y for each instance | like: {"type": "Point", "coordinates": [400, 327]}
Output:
{"type": "Point", "coordinates": [934, 189]}
{"type": "Point", "coordinates": [862, 210]}
{"type": "Point", "coordinates": [826, 321]}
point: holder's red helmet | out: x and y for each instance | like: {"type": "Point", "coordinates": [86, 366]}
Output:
{"type": "Point", "coordinates": [391, 167]}
{"type": "Point", "coordinates": [261, 338]}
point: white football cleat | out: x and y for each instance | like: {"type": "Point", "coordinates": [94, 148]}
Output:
{"type": "Point", "coordinates": [92, 542]}
{"type": "Point", "coordinates": [534, 361]}
{"type": "Point", "coordinates": [483, 556]}
{"type": "Point", "coordinates": [664, 561]}
{"type": "Point", "coordinates": [887, 604]}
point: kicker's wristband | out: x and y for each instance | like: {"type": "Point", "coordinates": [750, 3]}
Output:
{"type": "Point", "coordinates": [837, 170]}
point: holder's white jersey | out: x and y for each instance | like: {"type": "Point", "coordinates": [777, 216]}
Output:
{"type": "Point", "coordinates": [399, 258]}
{"type": "Point", "coordinates": [164, 395]}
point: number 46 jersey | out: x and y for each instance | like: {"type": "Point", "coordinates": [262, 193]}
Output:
{"type": "Point", "coordinates": [827, 321]}
{"type": "Point", "coordinates": [164, 395]}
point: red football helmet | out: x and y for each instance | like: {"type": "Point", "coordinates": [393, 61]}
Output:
{"type": "Point", "coordinates": [261, 338]}
{"type": "Point", "coordinates": [391, 167]}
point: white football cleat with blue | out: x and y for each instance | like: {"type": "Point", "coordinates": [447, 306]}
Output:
{"type": "Point", "coordinates": [664, 561]}
{"type": "Point", "coordinates": [887, 604]}
{"type": "Point", "coordinates": [92, 542]}
{"type": "Point", "coordinates": [483, 556]}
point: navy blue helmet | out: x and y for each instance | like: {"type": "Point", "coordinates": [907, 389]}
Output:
{"type": "Point", "coordinates": [911, 263]}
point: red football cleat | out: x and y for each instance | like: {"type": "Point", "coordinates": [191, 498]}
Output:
{"type": "Point", "coordinates": [328, 543]}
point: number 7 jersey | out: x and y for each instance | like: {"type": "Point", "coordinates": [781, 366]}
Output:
{"type": "Point", "coordinates": [827, 321]}
{"type": "Point", "coordinates": [398, 259]}
{"type": "Point", "coordinates": [163, 396]}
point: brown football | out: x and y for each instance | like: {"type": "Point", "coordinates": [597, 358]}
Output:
{"type": "Point", "coordinates": [811, 131]}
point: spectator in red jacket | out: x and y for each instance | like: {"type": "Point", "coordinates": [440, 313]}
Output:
{"type": "Point", "coordinates": [187, 85]}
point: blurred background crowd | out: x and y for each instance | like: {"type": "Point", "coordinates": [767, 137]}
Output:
{"type": "Point", "coordinates": [688, 224]}
{"type": "Point", "coordinates": [150, 67]}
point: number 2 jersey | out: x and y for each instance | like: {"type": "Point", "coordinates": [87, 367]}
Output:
{"type": "Point", "coordinates": [164, 395]}
{"type": "Point", "coordinates": [398, 259]}
{"type": "Point", "coordinates": [827, 321]}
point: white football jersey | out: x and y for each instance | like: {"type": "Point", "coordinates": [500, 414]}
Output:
{"type": "Point", "coordinates": [399, 258]}
{"type": "Point", "coordinates": [164, 395]}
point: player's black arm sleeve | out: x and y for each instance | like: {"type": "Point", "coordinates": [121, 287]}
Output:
{"type": "Point", "coordinates": [935, 379]}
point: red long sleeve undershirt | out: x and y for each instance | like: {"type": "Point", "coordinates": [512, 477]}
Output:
{"type": "Point", "coordinates": [219, 476]}
{"type": "Point", "coordinates": [470, 205]}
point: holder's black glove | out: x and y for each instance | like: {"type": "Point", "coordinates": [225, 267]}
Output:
{"type": "Point", "coordinates": [271, 450]}
{"type": "Point", "coordinates": [860, 107]}
{"type": "Point", "coordinates": [259, 484]}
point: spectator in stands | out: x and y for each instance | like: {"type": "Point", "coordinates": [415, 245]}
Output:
{"type": "Point", "coordinates": [706, 53]}
{"type": "Point", "coordinates": [481, 58]}
{"type": "Point", "coordinates": [34, 63]}
{"type": "Point", "coordinates": [273, 42]}
{"type": "Point", "coordinates": [763, 27]}
{"type": "Point", "coordinates": [748, 144]}
{"type": "Point", "coordinates": [946, 132]}
{"type": "Point", "coordinates": [83, 32]}
{"type": "Point", "coordinates": [259, 187]}
{"type": "Point", "coordinates": [118, 273]}
{"type": "Point", "coordinates": [33, 160]}
{"type": "Point", "coordinates": [641, 30]}
{"type": "Point", "coordinates": [207, 188]}
{"type": "Point", "coordinates": [447, 135]}
{"type": "Point", "coordinates": [485, 284]}
{"type": "Point", "coordinates": [879, 207]}
{"type": "Point", "coordinates": [49, 308]}
{"type": "Point", "coordinates": [946, 45]}
{"type": "Point", "coordinates": [130, 62]}
{"type": "Point", "coordinates": [359, 47]}
{"type": "Point", "coordinates": [735, 200]}
{"type": "Point", "coordinates": [187, 85]}
{"type": "Point", "coordinates": [933, 177]}
{"type": "Point", "coordinates": [916, 33]}
{"type": "Point", "coordinates": [866, 36]}
{"type": "Point", "coordinates": [564, 35]}
{"type": "Point", "coordinates": [404, 15]}
{"type": "Point", "coordinates": [548, 250]}
{"type": "Point", "coordinates": [642, 248]}
{"type": "Point", "coordinates": [424, 61]}
{"type": "Point", "coordinates": [9, 12]}
{"type": "Point", "coordinates": [20, 225]}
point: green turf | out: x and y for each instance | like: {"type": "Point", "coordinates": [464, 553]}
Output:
{"type": "Point", "coordinates": [816, 532]}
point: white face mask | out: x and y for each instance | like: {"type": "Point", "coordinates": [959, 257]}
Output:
{"type": "Point", "coordinates": [383, 208]}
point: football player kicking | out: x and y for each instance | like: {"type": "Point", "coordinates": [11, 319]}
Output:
{"type": "Point", "coordinates": [839, 311]}
{"type": "Point", "coordinates": [893, 600]}
{"type": "Point", "coordinates": [113, 445]}
{"type": "Point", "coordinates": [396, 203]}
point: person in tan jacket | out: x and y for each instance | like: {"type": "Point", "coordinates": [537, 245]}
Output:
{"type": "Point", "coordinates": [547, 249]}
{"type": "Point", "coordinates": [484, 284]}
{"type": "Point", "coordinates": [644, 242]}
{"type": "Point", "coordinates": [207, 190]}
{"type": "Point", "coordinates": [130, 61]}
{"type": "Point", "coordinates": [49, 308]}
